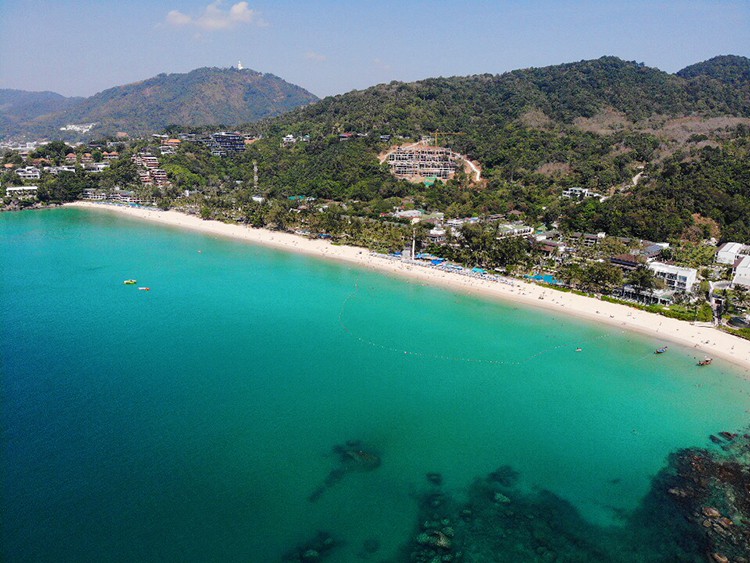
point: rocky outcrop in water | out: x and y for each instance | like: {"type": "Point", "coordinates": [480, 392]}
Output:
{"type": "Point", "coordinates": [712, 488]}
{"type": "Point", "coordinates": [499, 522]}
{"type": "Point", "coordinates": [314, 549]}
{"type": "Point", "coordinates": [352, 457]}
{"type": "Point", "coordinates": [697, 510]}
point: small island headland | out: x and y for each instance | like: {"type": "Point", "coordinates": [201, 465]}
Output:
{"type": "Point", "coordinates": [703, 338]}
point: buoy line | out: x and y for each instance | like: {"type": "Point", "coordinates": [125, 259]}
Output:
{"type": "Point", "coordinates": [431, 356]}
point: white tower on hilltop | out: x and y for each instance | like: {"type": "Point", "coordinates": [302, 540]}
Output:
{"type": "Point", "coordinates": [239, 65]}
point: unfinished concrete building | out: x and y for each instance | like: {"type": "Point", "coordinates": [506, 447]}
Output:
{"type": "Point", "coordinates": [421, 161]}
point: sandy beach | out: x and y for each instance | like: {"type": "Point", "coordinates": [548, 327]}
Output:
{"type": "Point", "coordinates": [706, 340]}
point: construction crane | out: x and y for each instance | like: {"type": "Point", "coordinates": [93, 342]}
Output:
{"type": "Point", "coordinates": [444, 134]}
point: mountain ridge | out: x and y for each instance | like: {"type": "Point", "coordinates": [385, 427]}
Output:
{"type": "Point", "coordinates": [490, 111]}
{"type": "Point", "coordinates": [731, 69]}
{"type": "Point", "coordinates": [22, 105]}
{"type": "Point", "coordinates": [619, 128]}
{"type": "Point", "coordinates": [211, 96]}
{"type": "Point", "coordinates": [563, 92]}
{"type": "Point", "coordinates": [204, 96]}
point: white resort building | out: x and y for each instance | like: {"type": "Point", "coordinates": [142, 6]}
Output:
{"type": "Point", "coordinates": [730, 252]}
{"type": "Point", "coordinates": [28, 173]}
{"type": "Point", "coordinates": [507, 230]}
{"type": "Point", "coordinates": [742, 272]}
{"type": "Point", "coordinates": [580, 193]}
{"type": "Point", "coordinates": [676, 277]}
{"type": "Point", "coordinates": [21, 192]}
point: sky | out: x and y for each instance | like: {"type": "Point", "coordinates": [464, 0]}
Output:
{"type": "Point", "coordinates": [80, 47]}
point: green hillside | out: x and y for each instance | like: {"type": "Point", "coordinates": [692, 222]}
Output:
{"type": "Point", "coordinates": [667, 153]}
{"type": "Point", "coordinates": [206, 96]}
{"type": "Point", "coordinates": [562, 93]}
{"type": "Point", "coordinates": [730, 69]}
{"type": "Point", "coordinates": [535, 132]}
{"type": "Point", "coordinates": [18, 107]}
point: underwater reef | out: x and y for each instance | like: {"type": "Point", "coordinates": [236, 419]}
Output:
{"type": "Point", "coordinates": [352, 457]}
{"type": "Point", "coordinates": [697, 510]}
{"type": "Point", "coordinates": [712, 489]}
{"type": "Point", "coordinates": [316, 548]}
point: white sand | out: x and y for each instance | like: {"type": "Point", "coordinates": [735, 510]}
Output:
{"type": "Point", "coordinates": [706, 340]}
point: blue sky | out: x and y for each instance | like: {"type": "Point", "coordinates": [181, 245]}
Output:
{"type": "Point", "coordinates": [329, 47]}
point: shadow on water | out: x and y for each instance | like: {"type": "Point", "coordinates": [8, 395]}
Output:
{"type": "Point", "coordinates": [697, 509]}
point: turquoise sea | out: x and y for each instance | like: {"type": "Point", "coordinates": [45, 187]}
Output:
{"type": "Point", "coordinates": [194, 421]}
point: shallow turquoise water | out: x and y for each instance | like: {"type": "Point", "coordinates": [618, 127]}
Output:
{"type": "Point", "coordinates": [193, 421]}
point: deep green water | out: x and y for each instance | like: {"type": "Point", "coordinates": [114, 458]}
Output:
{"type": "Point", "coordinates": [192, 422]}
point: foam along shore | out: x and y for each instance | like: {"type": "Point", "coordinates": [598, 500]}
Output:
{"type": "Point", "coordinates": [704, 339]}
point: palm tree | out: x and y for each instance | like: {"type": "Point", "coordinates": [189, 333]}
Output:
{"type": "Point", "coordinates": [740, 296]}
{"type": "Point", "coordinates": [570, 273]}
{"type": "Point", "coordinates": [733, 301]}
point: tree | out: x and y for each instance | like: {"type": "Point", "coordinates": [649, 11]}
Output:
{"type": "Point", "coordinates": [329, 221]}
{"type": "Point", "coordinates": [66, 186]}
{"type": "Point", "coordinates": [255, 214]}
{"type": "Point", "coordinates": [643, 279]}
{"type": "Point", "coordinates": [510, 251]}
{"type": "Point", "coordinates": [55, 151]}
{"type": "Point", "coordinates": [12, 157]}
{"type": "Point", "coordinates": [571, 274]}
{"type": "Point", "coordinates": [206, 212]}
{"type": "Point", "coordinates": [278, 214]}
{"type": "Point", "coordinates": [740, 296]}
{"type": "Point", "coordinates": [601, 277]}
{"type": "Point", "coordinates": [610, 246]}
{"type": "Point", "coordinates": [182, 177]}
{"type": "Point", "coordinates": [122, 173]}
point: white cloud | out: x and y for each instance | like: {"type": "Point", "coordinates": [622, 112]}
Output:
{"type": "Point", "coordinates": [315, 57]}
{"type": "Point", "coordinates": [177, 18]}
{"type": "Point", "coordinates": [214, 18]}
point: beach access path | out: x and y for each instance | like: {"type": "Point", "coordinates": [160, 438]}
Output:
{"type": "Point", "coordinates": [706, 340]}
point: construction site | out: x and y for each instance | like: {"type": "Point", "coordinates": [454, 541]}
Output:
{"type": "Point", "coordinates": [422, 161]}
{"type": "Point", "coordinates": [419, 161]}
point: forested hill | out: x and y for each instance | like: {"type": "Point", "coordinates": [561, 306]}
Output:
{"type": "Point", "coordinates": [726, 68]}
{"type": "Point", "coordinates": [666, 154]}
{"type": "Point", "coordinates": [19, 105]}
{"type": "Point", "coordinates": [597, 124]}
{"type": "Point", "coordinates": [205, 96]}
{"type": "Point", "coordinates": [561, 93]}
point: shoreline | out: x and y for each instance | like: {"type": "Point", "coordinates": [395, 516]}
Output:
{"type": "Point", "coordinates": [705, 340]}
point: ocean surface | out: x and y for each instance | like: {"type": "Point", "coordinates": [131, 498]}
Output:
{"type": "Point", "coordinates": [208, 418]}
